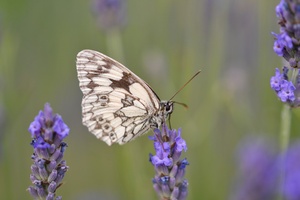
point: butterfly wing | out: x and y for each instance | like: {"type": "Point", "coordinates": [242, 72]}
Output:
{"type": "Point", "coordinates": [116, 104]}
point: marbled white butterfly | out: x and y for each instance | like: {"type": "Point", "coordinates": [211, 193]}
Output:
{"type": "Point", "coordinates": [117, 105]}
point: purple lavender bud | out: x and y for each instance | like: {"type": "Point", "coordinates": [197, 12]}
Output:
{"type": "Point", "coordinates": [48, 135]}
{"type": "Point", "coordinates": [176, 156]}
{"type": "Point", "coordinates": [52, 187]}
{"type": "Point", "coordinates": [43, 152]}
{"type": "Point", "coordinates": [35, 171]}
{"type": "Point", "coordinates": [61, 173]}
{"type": "Point", "coordinates": [180, 175]}
{"type": "Point", "coordinates": [157, 188]}
{"type": "Point", "coordinates": [183, 190]}
{"type": "Point", "coordinates": [52, 176]}
{"type": "Point", "coordinates": [56, 154]}
{"type": "Point", "coordinates": [59, 178]}
{"type": "Point", "coordinates": [173, 172]}
{"type": "Point", "coordinates": [41, 192]}
{"type": "Point", "coordinates": [50, 196]}
{"type": "Point", "coordinates": [47, 131]}
{"type": "Point", "coordinates": [166, 191]}
{"type": "Point", "coordinates": [52, 165]}
{"type": "Point", "coordinates": [51, 149]}
{"type": "Point", "coordinates": [172, 183]}
{"type": "Point", "coordinates": [33, 192]}
{"type": "Point", "coordinates": [175, 193]}
{"type": "Point", "coordinates": [161, 169]}
{"type": "Point", "coordinates": [32, 178]}
{"type": "Point", "coordinates": [170, 170]}
{"type": "Point", "coordinates": [43, 173]}
{"type": "Point", "coordinates": [59, 158]}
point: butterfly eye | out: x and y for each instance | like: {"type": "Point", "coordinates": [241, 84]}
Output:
{"type": "Point", "coordinates": [169, 107]}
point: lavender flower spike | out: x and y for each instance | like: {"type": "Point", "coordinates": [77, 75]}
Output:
{"type": "Point", "coordinates": [169, 181]}
{"type": "Point", "coordinates": [287, 45]}
{"type": "Point", "coordinates": [48, 168]}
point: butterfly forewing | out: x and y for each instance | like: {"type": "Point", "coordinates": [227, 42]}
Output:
{"type": "Point", "coordinates": [117, 105]}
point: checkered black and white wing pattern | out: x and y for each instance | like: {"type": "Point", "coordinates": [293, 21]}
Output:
{"type": "Point", "coordinates": [117, 105]}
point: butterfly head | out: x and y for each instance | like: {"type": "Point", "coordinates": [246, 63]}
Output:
{"type": "Point", "coordinates": [166, 108]}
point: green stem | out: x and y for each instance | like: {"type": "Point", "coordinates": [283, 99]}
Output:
{"type": "Point", "coordinates": [284, 141]}
{"type": "Point", "coordinates": [285, 127]}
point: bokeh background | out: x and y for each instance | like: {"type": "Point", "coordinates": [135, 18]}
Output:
{"type": "Point", "coordinates": [163, 42]}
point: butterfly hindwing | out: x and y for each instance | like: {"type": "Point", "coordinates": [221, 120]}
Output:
{"type": "Point", "coordinates": [116, 104]}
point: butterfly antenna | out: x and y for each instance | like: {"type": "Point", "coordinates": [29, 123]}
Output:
{"type": "Point", "coordinates": [182, 104]}
{"type": "Point", "coordinates": [198, 72]}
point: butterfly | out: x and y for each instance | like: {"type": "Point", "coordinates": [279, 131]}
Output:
{"type": "Point", "coordinates": [117, 105]}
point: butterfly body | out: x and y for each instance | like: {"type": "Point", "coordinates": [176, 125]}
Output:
{"type": "Point", "coordinates": [117, 105]}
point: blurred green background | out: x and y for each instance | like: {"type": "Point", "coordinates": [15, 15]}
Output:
{"type": "Point", "coordinates": [163, 42]}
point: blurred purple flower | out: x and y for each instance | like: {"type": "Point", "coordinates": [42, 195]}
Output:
{"type": "Point", "coordinates": [169, 181]}
{"type": "Point", "coordinates": [110, 14]}
{"type": "Point", "coordinates": [47, 171]}
{"type": "Point", "coordinates": [291, 160]}
{"type": "Point", "coordinates": [262, 172]}
{"type": "Point", "coordinates": [257, 171]}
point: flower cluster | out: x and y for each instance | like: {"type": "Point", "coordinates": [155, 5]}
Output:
{"type": "Point", "coordinates": [284, 88]}
{"type": "Point", "coordinates": [169, 181]}
{"type": "Point", "coordinates": [47, 171]}
{"type": "Point", "coordinates": [287, 45]}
